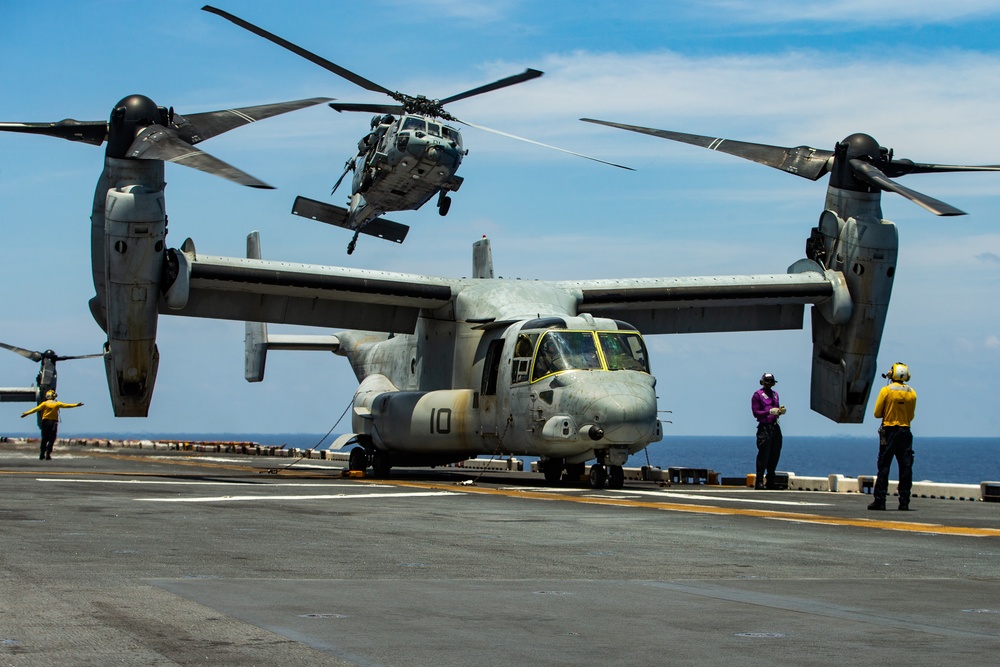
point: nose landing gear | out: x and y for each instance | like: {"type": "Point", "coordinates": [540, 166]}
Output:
{"type": "Point", "coordinates": [612, 477]}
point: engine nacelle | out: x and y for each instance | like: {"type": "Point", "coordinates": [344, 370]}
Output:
{"type": "Point", "coordinates": [135, 231]}
{"type": "Point", "coordinates": [864, 251]}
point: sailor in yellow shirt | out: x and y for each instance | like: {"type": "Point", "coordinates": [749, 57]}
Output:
{"type": "Point", "coordinates": [50, 421]}
{"type": "Point", "coordinates": [895, 405]}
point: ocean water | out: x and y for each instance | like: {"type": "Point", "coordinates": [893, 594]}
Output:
{"type": "Point", "coordinates": [946, 460]}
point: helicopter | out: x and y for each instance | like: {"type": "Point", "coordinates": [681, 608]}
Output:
{"type": "Point", "coordinates": [140, 136]}
{"type": "Point", "coordinates": [410, 154]}
{"type": "Point", "coordinates": [46, 379]}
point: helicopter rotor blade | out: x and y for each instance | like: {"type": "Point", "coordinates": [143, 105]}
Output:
{"type": "Point", "coordinates": [370, 108]}
{"type": "Point", "coordinates": [198, 127]}
{"type": "Point", "coordinates": [93, 132]}
{"type": "Point", "coordinates": [538, 143]}
{"type": "Point", "coordinates": [298, 50]}
{"type": "Point", "coordinates": [27, 354]}
{"type": "Point", "coordinates": [526, 75]}
{"type": "Point", "coordinates": [874, 176]}
{"type": "Point", "coordinates": [903, 167]}
{"type": "Point", "coordinates": [160, 143]}
{"type": "Point", "coordinates": [802, 161]}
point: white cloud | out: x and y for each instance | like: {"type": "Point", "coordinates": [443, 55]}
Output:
{"type": "Point", "coordinates": [854, 12]}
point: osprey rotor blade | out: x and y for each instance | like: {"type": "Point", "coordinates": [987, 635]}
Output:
{"type": "Point", "coordinates": [159, 143]}
{"type": "Point", "coordinates": [298, 50]}
{"type": "Point", "coordinates": [198, 127]}
{"type": "Point", "coordinates": [92, 132]}
{"type": "Point", "coordinates": [874, 176]}
{"type": "Point", "coordinates": [802, 161]}
{"type": "Point", "coordinates": [526, 75]}
{"type": "Point", "coordinates": [538, 143]}
{"type": "Point", "coordinates": [903, 167]}
{"type": "Point", "coordinates": [80, 356]}
{"type": "Point", "coordinates": [27, 354]}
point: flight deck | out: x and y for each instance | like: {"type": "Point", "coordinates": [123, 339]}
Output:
{"type": "Point", "coordinates": [153, 557]}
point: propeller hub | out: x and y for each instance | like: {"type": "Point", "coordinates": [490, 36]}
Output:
{"type": "Point", "coordinates": [128, 118]}
{"type": "Point", "coordinates": [861, 147]}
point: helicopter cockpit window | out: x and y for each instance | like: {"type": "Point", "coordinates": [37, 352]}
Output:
{"type": "Point", "coordinates": [434, 128]}
{"type": "Point", "coordinates": [624, 351]}
{"type": "Point", "coordinates": [524, 347]}
{"type": "Point", "coordinates": [413, 123]}
{"type": "Point", "coordinates": [565, 351]}
{"type": "Point", "coordinates": [451, 134]}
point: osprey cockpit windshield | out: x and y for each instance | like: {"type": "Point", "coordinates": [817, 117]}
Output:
{"type": "Point", "coordinates": [558, 351]}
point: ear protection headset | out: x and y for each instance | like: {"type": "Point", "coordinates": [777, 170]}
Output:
{"type": "Point", "coordinates": [898, 373]}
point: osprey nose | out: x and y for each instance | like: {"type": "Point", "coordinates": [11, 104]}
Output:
{"type": "Point", "coordinates": [622, 418]}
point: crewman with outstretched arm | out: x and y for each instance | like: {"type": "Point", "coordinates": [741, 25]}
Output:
{"type": "Point", "coordinates": [49, 422]}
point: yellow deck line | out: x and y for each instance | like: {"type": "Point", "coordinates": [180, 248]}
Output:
{"type": "Point", "coordinates": [904, 526]}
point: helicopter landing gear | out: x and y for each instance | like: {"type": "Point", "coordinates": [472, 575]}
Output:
{"type": "Point", "coordinates": [354, 242]}
{"type": "Point", "coordinates": [444, 204]}
{"type": "Point", "coordinates": [612, 477]}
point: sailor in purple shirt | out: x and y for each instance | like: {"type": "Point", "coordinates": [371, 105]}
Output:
{"type": "Point", "coordinates": [767, 408]}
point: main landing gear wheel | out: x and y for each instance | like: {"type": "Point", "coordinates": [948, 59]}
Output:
{"type": "Point", "coordinates": [616, 477]}
{"type": "Point", "coordinates": [444, 204]}
{"type": "Point", "coordinates": [598, 476]}
{"type": "Point", "coordinates": [358, 459]}
{"type": "Point", "coordinates": [381, 464]}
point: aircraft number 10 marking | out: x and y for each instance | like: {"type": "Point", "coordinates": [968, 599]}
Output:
{"type": "Point", "coordinates": [441, 421]}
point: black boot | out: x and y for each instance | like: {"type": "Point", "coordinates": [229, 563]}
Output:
{"type": "Point", "coordinates": [876, 505]}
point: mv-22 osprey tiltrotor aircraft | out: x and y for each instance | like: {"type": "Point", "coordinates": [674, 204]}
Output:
{"type": "Point", "coordinates": [452, 368]}
{"type": "Point", "coordinates": [140, 137]}
{"type": "Point", "coordinates": [410, 154]}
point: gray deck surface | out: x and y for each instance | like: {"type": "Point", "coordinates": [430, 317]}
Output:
{"type": "Point", "coordinates": [135, 557]}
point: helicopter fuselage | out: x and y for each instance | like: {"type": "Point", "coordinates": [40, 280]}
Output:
{"type": "Point", "coordinates": [401, 164]}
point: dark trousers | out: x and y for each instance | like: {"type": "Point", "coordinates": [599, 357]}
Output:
{"type": "Point", "coordinates": [894, 442]}
{"type": "Point", "coordinates": [49, 429]}
{"type": "Point", "coordinates": [768, 451]}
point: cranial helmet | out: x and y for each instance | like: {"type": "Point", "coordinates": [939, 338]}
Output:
{"type": "Point", "coordinates": [50, 394]}
{"type": "Point", "coordinates": [899, 372]}
{"type": "Point", "coordinates": [767, 377]}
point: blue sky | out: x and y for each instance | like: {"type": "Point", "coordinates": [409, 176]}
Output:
{"type": "Point", "coordinates": [921, 77]}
